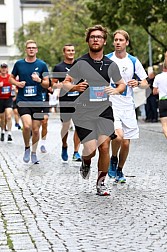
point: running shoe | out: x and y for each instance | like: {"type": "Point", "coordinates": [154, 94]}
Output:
{"type": "Point", "coordinates": [26, 157]}
{"type": "Point", "coordinates": [102, 190]}
{"type": "Point", "coordinates": [17, 125]}
{"type": "Point", "coordinates": [34, 159]}
{"type": "Point", "coordinates": [85, 170]}
{"type": "Point", "coordinates": [76, 157]}
{"type": "Point", "coordinates": [120, 177]}
{"type": "Point", "coordinates": [64, 154]}
{"type": "Point", "coordinates": [43, 149]}
{"type": "Point", "coordinates": [2, 137]}
{"type": "Point", "coordinates": [10, 138]}
{"type": "Point", "coordinates": [112, 168]}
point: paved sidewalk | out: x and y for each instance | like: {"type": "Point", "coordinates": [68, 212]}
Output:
{"type": "Point", "coordinates": [49, 208]}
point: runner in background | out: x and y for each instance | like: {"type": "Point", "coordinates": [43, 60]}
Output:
{"type": "Point", "coordinates": [66, 112]}
{"type": "Point", "coordinates": [6, 103]}
{"type": "Point", "coordinates": [15, 110]}
{"type": "Point", "coordinates": [160, 89]}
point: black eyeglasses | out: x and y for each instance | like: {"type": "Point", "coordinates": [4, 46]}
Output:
{"type": "Point", "coordinates": [98, 37]}
{"type": "Point", "coordinates": [29, 48]}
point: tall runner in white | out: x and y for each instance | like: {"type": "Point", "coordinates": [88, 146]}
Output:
{"type": "Point", "coordinates": [126, 127]}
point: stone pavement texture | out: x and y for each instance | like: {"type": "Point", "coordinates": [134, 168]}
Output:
{"type": "Point", "coordinates": [49, 208]}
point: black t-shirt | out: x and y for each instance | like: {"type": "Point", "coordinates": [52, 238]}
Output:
{"type": "Point", "coordinates": [98, 74]}
{"type": "Point", "coordinates": [59, 72]}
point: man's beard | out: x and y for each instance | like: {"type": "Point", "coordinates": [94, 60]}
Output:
{"type": "Point", "coordinates": [96, 49]}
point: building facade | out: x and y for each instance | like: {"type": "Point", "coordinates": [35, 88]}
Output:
{"type": "Point", "coordinates": [15, 13]}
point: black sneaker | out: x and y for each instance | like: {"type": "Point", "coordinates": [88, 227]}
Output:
{"type": "Point", "coordinates": [2, 137]}
{"type": "Point", "coordinates": [85, 170]}
{"type": "Point", "coordinates": [9, 138]}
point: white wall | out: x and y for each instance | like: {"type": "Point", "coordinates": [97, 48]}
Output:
{"type": "Point", "coordinates": [14, 16]}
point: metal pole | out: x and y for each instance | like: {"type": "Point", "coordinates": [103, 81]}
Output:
{"type": "Point", "coordinates": [150, 50]}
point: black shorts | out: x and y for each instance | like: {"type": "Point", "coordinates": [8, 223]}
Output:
{"type": "Point", "coordinates": [45, 110]}
{"type": "Point", "coordinates": [98, 125]}
{"type": "Point", "coordinates": [5, 103]}
{"type": "Point", "coordinates": [14, 105]}
{"type": "Point", "coordinates": [66, 112]}
{"type": "Point", "coordinates": [36, 113]}
{"type": "Point", "coordinates": [163, 108]}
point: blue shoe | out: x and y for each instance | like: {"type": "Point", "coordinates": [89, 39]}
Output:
{"type": "Point", "coordinates": [112, 169]}
{"type": "Point", "coordinates": [34, 159]}
{"type": "Point", "coordinates": [120, 177]}
{"type": "Point", "coordinates": [76, 157]}
{"type": "Point", "coordinates": [64, 154]}
{"type": "Point", "coordinates": [26, 157]}
{"type": "Point", "coordinates": [43, 149]}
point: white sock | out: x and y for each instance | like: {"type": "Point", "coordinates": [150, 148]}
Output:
{"type": "Point", "coordinates": [43, 142]}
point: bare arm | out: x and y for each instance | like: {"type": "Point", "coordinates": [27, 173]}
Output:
{"type": "Point", "coordinates": [121, 85]}
{"type": "Point", "coordinates": [155, 91]}
{"type": "Point", "coordinates": [56, 83]}
{"type": "Point", "coordinates": [44, 82]}
{"type": "Point", "coordinates": [69, 86]}
{"type": "Point", "coordinates": [13, 81]}
{"type": "Point", "coordinates": [135, 83]}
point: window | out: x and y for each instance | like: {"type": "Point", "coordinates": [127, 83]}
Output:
{"type": "Point", "coordinates": [35, 1]}
{"type": "Point", "coordinates": [2, 34]}
{"type": "Point", "coordinates": [2, 2]}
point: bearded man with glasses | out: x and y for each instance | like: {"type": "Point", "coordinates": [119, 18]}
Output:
{"type": "Point", "coordinates": [93, 118]}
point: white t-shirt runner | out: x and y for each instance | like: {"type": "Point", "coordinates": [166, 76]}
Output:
{"type": "Point", "coordinates": [160, 82]}
{"type": "Point", "coordinates": [128, 68]}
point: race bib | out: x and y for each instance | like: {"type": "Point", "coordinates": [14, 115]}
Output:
{"type": "Point", "coordinates": [13, 93]}
{"type": "Point", "coordinates": [44, 96]}
{"type": "Point", "coordinates": [30, 91]}
{"type": "Point", "coordinates": [5, 90]}
{"type": "Point", "coordinates": [75, 93]}
{"type": "Point", "coordinates": [97, 94]}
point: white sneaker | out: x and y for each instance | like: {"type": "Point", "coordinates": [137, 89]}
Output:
{"type": "Point", "coordinates": [102, 190]}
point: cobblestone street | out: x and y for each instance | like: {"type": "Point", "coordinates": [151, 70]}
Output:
{"type": "Point", "coordinates": [48, 207]}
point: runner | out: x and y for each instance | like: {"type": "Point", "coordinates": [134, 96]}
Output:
{"type": "Point", "coordinates": [15, 110]}
{"type": "Point", "coordinates": [66, 112]}
{"type": "Point", "coordinates": [33, 75]}
{"type": "Point", "coordinates": [93, 117]}
{"type": "Point", "coordinates": [6, 103]}
{"type": "Point", "coordinates": [125, 123]}
{"type": "Point", "coordinates": [160, 89]}
{"type": "Point", "coordinates": [44, 122]}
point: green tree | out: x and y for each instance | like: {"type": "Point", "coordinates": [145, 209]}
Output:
{"type": "Point", "coordinates": [140, 18]}
{"type": "Point", "coordinates": [66, 23]}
